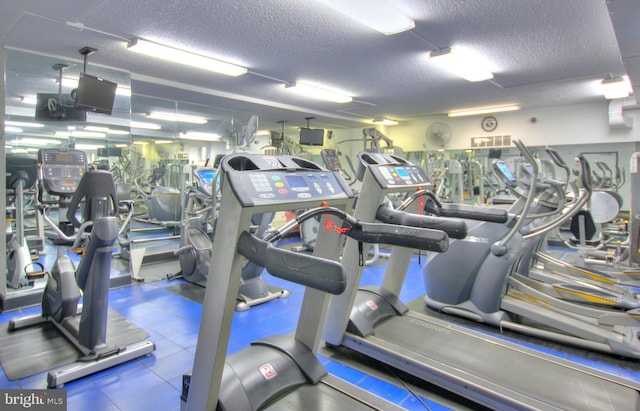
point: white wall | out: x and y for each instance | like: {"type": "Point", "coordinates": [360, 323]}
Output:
{"type": "Point", "coordinates": [562, 125]}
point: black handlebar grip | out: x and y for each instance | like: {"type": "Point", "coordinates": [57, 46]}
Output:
{"type": "Point", "coordinates": [400, 235]}
{"type": "Point", "coordinates": [454, 228]}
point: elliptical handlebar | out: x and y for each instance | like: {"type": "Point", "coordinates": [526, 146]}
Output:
{"type": "Point", "coordinates": [558, 161]}
{"type": "Point", "coordinates": [583, 196]}
{"type": "Point", "coordinates": [499, 248]}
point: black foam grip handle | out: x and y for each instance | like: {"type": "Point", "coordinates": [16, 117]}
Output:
{"type": "Point", "coordinates": [411, 237]}
{"type": "Point", "coordinates": [453, 228]}
{"type": "Point", "coordinates": [315, 272]}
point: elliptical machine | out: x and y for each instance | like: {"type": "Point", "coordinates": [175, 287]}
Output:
{"type": "Point", "coordinates": [21, 270]}
{"type": "Point", "coordinates": [485, 287]}
{"type": "Point", "coordinates": [196, 243]}
{"type": "Point", "coordinates": [84, 326]}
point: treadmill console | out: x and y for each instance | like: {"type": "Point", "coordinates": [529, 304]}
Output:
{"type": "Point", "coordinates": [264, 180]}
{"type": "Point", "coordinates": [62, 170]}
{"type": "Point", "coordinates": [392, 172]}
{"type": "Point", "coordinates": [394, 175]}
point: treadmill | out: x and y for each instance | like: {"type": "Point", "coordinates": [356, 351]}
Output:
{"type": "Point", "coordinates": [280, 372]}
{"type": "Point", "coordinates": [487, 369]}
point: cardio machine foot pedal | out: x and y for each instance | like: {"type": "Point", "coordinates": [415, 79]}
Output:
{"type": "Point", "coordinates": [34, 275]}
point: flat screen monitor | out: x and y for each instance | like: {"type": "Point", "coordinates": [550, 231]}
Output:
{"type": "Point", "coordinates": [311, 137]}
{"type": "Point", "coordinates": [95, 94]}
{"type": "Point", "coordinates": [57, 107]}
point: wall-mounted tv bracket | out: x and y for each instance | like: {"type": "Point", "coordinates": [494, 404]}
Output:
{"type": "Point", "coordinates": [309, 119]}
{"type": "Point", "coordinates": [59, 67]}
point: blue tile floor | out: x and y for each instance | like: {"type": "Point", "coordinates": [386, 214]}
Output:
{"type": "Point", "coordinates": [154, 382]}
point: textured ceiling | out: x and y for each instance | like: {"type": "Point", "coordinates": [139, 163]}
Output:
{"type": "Point", "coordinates": [543, 52]}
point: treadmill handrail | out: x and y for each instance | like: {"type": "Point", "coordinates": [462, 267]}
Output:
{"type": "Point", "coordinates": [315, 272]}
{"type": "Point", "coordinates": [454, 228]}
{"type": "Point", "coordinates": [427, 239]}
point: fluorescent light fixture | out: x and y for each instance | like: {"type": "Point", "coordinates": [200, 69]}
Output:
{"type": "Point", "coordinates": [139, 143]}
{"type": "Point", "coordinates": [98, 129]}
{"type": "Point", "coordinates": [30, 100]}
{"type": "Point", "coordinates": [483, 110]}
{"type": "Point", "coordinates": [377, 14]}
{"type": "Point", "coordinates": [461, 63]}
{"type": "Point", "coordinates": [263, 133]}
{"type": "Point", "coordinates": [385, 122]}
{"type": "Point", "coordinates": [38, 141]}
{"type": "Point", "coordinates": [89, 146]}
{"type": "Point", "coordinates": [183, 118]}
{"type": "Point", "coordinates": [198, 136]}
{"type": "Point", "coordinates": [118, 132]}
{"type": "Point", "coordinates": [144, 125]}
{"type": "Point", "coordinates": [318, 92]}
{"type": "Point", "coordinates": [120, 145]}
{"type": "Point", "coordinates": [85, 134]}
{"type": "Point", "coordinates": [617, 87]}
{"type": "Point", "coordinates": [187, 58]}
{"type": "Point", "coordinates": [22, 150]}
{"type": "Point", "coordinates": [106, 130]}
{"type": "Point", "coordinates": [163, 141]}
{"type": "Point", "coordinates": [123, 91]}
{"type": "Point", "coordinates": [69, 82]}
{"type": "Point", "coordinates": [23, 124]}
{"type": "Point", "coordinates": [12, 129]}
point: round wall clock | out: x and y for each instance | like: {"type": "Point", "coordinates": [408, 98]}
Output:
{"type": "Point", "coordinates": [489, 123]}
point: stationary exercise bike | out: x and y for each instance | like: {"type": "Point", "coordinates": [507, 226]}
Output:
{"type": "Point", "coordinates": [84, 326]}
{"type": "Point", "coordinates": [21, 270]}
{"type": "Point", "coordinates": [196, 243]}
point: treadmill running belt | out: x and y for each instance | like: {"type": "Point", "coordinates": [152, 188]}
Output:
{"type": "Point", "coordinates": [42, 347]}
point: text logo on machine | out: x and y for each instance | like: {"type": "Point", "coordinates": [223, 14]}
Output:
{"type": "Point", "coordinates": [268, 371]}
{"type": "Point", "coordinates": [372, 306]}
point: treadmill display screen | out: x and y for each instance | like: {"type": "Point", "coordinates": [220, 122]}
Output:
{"type": "Point", "coordinates": [296, 181]}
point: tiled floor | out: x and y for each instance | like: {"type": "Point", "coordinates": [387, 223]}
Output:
{"type": "Point", "coordinates": [154, 382]}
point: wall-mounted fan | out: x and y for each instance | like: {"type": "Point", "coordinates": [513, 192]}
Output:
{"type": "Point", "coordinates": [437, 135]}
